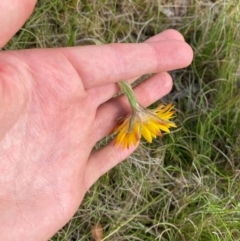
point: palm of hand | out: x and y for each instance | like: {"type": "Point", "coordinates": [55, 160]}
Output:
{"type": "Point", "coordinates": [49, 134]}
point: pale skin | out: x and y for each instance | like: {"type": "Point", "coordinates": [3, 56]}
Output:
{"type": "Point", "coordinates": [55, 105]}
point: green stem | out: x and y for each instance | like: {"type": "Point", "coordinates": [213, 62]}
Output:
{"type": "Point", "coordinates": [128, 91]}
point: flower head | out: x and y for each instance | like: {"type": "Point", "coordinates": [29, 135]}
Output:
{"type": "Point", "coordinates": [143, 122]}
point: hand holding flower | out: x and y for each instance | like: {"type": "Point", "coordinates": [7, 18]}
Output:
{"type": "Point", "coordinates": [141, 122]}
{"type": "Point", "coordinates": [55, 105]}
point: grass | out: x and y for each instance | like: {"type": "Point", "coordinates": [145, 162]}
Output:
{"type": "Point", "coordinates": [185, 186]}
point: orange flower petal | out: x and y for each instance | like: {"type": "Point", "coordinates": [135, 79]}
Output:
{"type": "Point", "coordinates": [148, 123]}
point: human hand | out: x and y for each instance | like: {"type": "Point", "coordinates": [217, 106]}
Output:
{"type": "Point", "coordinates": [55, 105]}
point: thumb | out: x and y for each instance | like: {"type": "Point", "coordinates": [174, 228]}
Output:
{"type": "Point", "coordinates": [13, 15]}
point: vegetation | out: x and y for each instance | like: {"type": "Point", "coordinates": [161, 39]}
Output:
{"type": "Point", "coordinates": [185, 186]}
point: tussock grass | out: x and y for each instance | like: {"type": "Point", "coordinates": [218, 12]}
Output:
{"type": "Point", "coordinates": [185, 186]}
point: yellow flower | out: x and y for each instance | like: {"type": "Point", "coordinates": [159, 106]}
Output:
{"type": "Point", "coordinates": [143, 122]}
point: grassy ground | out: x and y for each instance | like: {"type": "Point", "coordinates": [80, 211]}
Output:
{"type": "Point", "coordinates": [185, 186]}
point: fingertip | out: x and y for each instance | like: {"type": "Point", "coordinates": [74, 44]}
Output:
{"type": "Point", "coordinates": [169, 34]}
{"type": "Point", "coordinates": [166, 80]}
{"type": "Point", "coordinates": [171, 54]}
{"type": "Point", "coordinates": [188, 56]}
{"type": "Point", "coordinates": [182, 54]}
{"type": "Point", "coordinates": [173, 35]}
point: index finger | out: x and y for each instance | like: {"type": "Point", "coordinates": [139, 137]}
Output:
{"type": "Point", "coordinates": [103, 64]}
